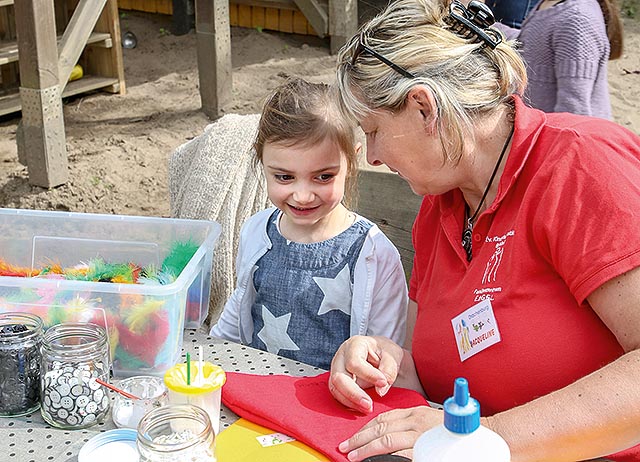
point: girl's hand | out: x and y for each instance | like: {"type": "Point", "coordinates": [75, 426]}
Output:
{"type": "Point", "coordinates": [364, 362]}
{"type": "Point", "coordinates": [391, 432]}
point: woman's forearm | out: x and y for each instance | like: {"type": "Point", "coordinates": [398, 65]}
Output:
{"type": "Point", "coordinates": [593, 417]}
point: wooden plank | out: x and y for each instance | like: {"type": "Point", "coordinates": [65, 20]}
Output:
{"type": "Point", "coordinates": [271, 17]}
{"type": "Point", "coordinates": [257, 17]}
{"type": "Point", "coordinates": [244, 16]}
{"type": "Point", "coordinates": [343, 22]}
{"type": "Point", "coordinates": [299, 23]}
{"type": "Point", "coordinates": [124, 4]}
{"type": "Point", "coordinates": [4, 25]}
{"type": "Point", "coordinates": [7, 24]}
{"type": "Point", "coordinates": [164, 6]}
{"type": "Point", "coordinates": [277, 4]}
{"type": "Point", "coordinates": [387, 200]}
{"type": "Point", "coordinates": [75, 36]}
{"type": "Point", "coordinates": [9, 77]}
{"type": "Point", "coordinates": [41, 137]}
{"type": "Point", "coordinates": [9, 52]}
{"type": "Point", "coordinates": [89, 83]}
{"type": "Point", "coordinates": [137, 5]}
{"type": "Point", "coordinates": [286, 21]}
{"type": "Point", "coordinates": [11, 103]}
{"type": "Point", "coordinates": [108, 62]}
{"type": "Point", "coordinates": [315, 14]}
{"type": "Point", "coordinates": [6, 3]}
{"type": "Point", "coordinates": [213, 42]}
{"type": "Point", "coordinates": [233, 14]}
{"type": "Point", "coordinates": [150, 6]}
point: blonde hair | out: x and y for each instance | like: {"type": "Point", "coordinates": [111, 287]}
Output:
{"type": "Point", "coordinates": [468, 79]}
{"type": "Point", "coordinates": [301, 112]}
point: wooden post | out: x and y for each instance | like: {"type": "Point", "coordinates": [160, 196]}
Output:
{"type": "Point", "coordinates": [42, 142]}
{"type": "Point", "coordinates": [343, 22]}
{"type": "Point", "coordinates": [213, 42]}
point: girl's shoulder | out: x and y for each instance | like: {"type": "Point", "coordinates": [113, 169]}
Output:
{"type": "Point", "coordinates": [376, 241]}
{"type": "Point", "coordinates": [260, 217]}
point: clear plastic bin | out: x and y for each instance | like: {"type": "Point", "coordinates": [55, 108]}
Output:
{"type": "Point", "coordinates": [145, 322]}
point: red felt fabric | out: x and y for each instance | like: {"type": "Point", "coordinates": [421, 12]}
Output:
{"type": "Point", "coordinates": [303, 408]}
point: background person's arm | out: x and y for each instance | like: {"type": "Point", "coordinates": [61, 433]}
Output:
{"type": "Point", "coordinates": [578, 51]}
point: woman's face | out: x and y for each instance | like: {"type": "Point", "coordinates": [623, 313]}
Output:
{"type": "Point", "coordinates": [406, 143]}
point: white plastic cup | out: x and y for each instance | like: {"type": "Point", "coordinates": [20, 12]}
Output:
{"type": "Point", "coordinates": [203, 390]}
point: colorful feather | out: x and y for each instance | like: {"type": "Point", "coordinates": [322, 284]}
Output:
{"type": "Point", "coordinates": [179, 256]}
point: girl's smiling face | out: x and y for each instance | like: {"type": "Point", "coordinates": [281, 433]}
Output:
{"type": "Point", "coordinates": [307, 183]}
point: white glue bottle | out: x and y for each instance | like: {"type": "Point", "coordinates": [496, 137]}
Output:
{"type": "Point", "coordinates": [461, 438]}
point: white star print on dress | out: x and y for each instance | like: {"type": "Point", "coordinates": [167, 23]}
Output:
{"type": "Point", "coordinates": [274, 332]}
{"type": "Point", "coordinates": [337, 292]}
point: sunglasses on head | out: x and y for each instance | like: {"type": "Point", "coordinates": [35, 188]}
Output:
{"type": "Point", "coordinates": [363, 48]}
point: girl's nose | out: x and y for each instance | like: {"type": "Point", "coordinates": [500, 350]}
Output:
{"type": "Point", "coordinates": [303, 195]}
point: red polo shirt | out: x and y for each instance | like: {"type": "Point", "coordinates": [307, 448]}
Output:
{"type": "Point", "coordinates": [565, 220]}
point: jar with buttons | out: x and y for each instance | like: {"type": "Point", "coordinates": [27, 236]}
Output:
{"type": "Point", "coordinates": [20, 337]}
{"type": "Point", "coordinates": [176, 433]}
{"type": "Point", "coordinates": [74, 355]}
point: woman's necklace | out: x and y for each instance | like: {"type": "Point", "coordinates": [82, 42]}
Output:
{"type": "Point", "coordinates": [468, 230]}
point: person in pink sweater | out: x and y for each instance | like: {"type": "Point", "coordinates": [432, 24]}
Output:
{"type": "Point", "coordinates": [566, 45]}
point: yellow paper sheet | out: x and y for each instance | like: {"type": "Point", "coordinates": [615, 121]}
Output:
{"type": "Point", "coordinates": [239, 443]}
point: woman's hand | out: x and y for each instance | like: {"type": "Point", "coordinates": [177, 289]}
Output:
{"type": "Point", "coordinates": [364, 362]}
{"type": "Point", "coordinates": [391, 432]}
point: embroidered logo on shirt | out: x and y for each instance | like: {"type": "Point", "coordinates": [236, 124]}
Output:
{"type": "Point", "coordinates": [475, 329]}
{"type": "Point", "coordinates": [491, 270]}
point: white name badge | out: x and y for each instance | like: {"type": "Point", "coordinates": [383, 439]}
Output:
{"type": "Point", "coordinates": [475, 329]}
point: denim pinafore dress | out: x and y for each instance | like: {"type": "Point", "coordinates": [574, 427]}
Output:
{"type": "Point", "coordinates": [302, 308]}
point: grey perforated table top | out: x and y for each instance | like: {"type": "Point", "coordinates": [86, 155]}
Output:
{"type": "Point", "coordinates": [30, 439]}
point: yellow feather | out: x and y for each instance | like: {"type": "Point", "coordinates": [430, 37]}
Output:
{"type": "Point", "coordinates": [138, 316]}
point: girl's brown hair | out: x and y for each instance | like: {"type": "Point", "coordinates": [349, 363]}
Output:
{"type": "Point", "coordinates": [301, 112]}
{"type": "Point", "coordinates": [611, 13]}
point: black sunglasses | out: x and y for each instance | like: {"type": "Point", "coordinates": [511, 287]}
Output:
{"type": "Point", "coordinates": [362, 48]}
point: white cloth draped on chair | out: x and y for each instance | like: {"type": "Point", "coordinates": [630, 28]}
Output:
{"type": "Point", "coordinates": [213, 177]}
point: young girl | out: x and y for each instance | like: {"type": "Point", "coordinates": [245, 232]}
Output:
{"type": "Point", "coordinates": [310, 272]}
{"type": "Point", "coordinates": [566, 45]}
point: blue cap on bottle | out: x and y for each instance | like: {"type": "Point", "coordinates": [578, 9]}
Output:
{"type": "Point", "coordinates": [461, 411]}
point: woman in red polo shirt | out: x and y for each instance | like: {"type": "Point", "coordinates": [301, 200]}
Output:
{"type": "Point", "coordinates": [525, 278]}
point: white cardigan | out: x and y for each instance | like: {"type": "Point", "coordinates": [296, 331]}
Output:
{"type": "Point", "coordinates": [379, 301]}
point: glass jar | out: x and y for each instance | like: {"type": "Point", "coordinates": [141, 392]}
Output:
{"type": "Point", "coordinates": [151, 393]}
{"type": "Point", "coordinates": [176, 433]}
{"type": "Point", "coordinates": [74, 355]}
{"type": "Point", "coordinates": [20, 337]}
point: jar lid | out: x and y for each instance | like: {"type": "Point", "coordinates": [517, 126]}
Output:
{"type": "Point", "coordinates": [212, 378]}
{"type": "Point", "coordinates": [119, 444]}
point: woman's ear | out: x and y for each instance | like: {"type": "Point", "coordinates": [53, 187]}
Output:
{"type": "Point", "coordinates": [420, 98]}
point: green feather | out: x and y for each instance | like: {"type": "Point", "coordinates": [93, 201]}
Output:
{"type": "Point", "coordinates": [179, 256]}
{"type": "Point", "coordinates": [127, 361]}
